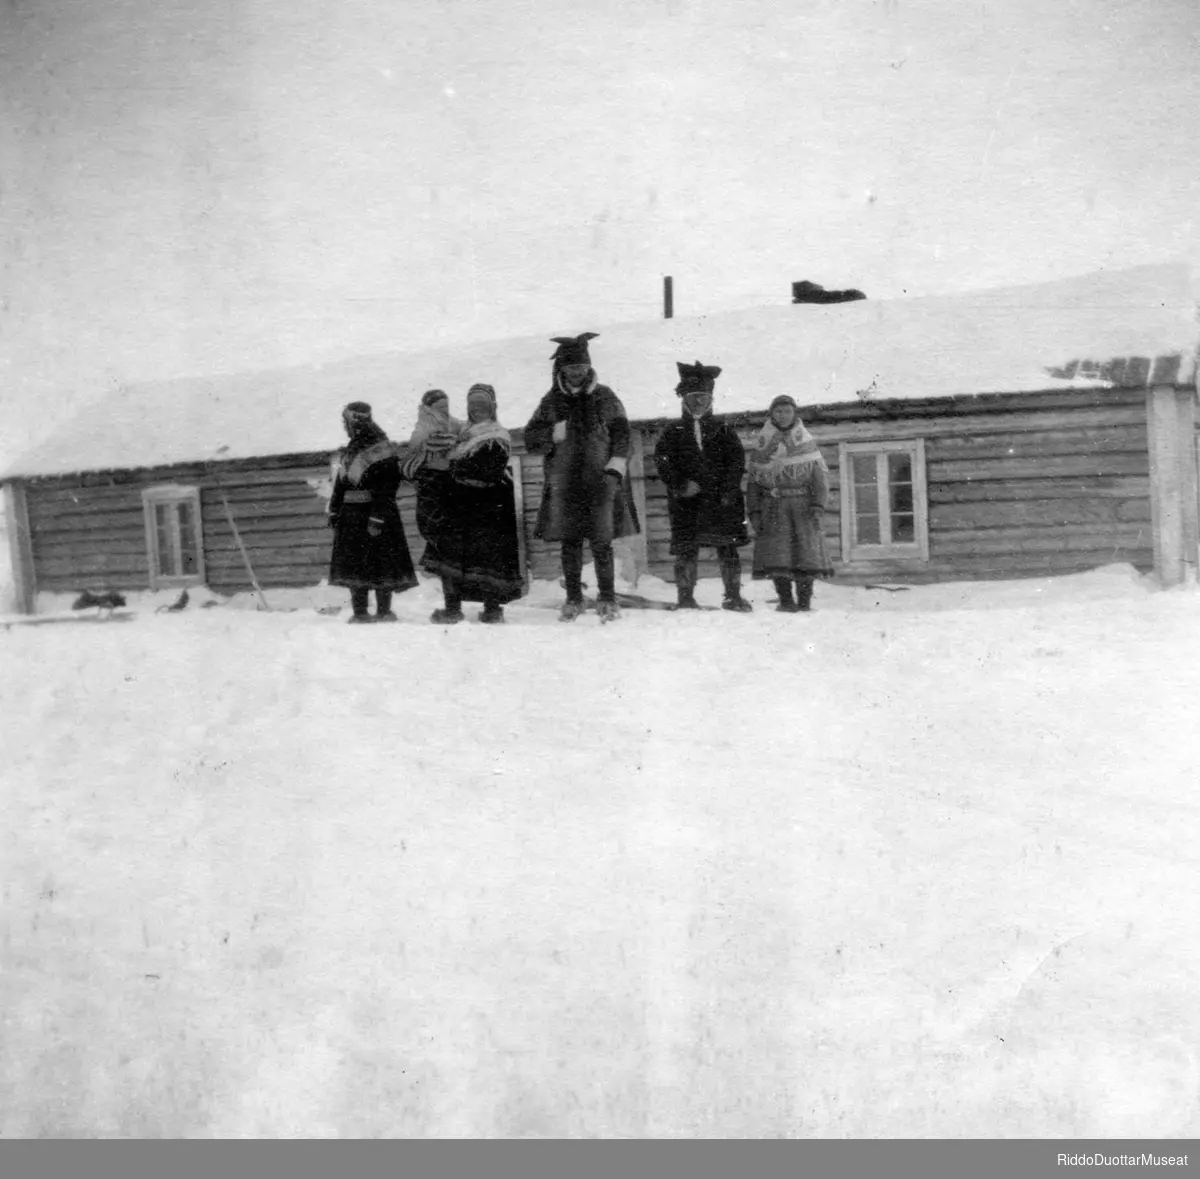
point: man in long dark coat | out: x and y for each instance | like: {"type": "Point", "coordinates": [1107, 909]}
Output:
{"type": "Point", "coordinates": [581, 428]}
{"type": "Point", "coordinates": [370, 550]}
{"type": "Point", "coordinates": [702, 462]}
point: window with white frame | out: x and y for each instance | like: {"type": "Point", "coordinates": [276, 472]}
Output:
{"type": "Point", "coordinates": [884, 503]}
{"type": "Point", "coordinates": [173, 536]}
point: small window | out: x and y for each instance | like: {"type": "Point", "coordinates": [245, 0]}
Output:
{"type": "Point", "coordinates": [883, 501]}
{"type": "Point", "coordinates": [173, 535]}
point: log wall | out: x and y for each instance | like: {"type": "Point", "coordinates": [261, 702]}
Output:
{"type": "Point", "coordinates": [1018, 485]}
{"type": "Point", "coordinates": [88, 531]}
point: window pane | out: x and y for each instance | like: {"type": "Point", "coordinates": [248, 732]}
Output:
{"type": "Point", "coordinates": [864, 470]}
{"type": "Point", "coordinates": [867, 528]}
{"type": "Point", "coordinates": [902, 498]}
{"type": "Point", "coordinates": [899, 468]}
{"type": "Point", "coordinates": [162, 540]}
{"type": "Point", "coordinates": [903, 529]}
{"type": "Point", "coordinates": [188, 564]}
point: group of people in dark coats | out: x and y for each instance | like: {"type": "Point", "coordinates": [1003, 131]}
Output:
{"type": "Point", "coordinates": [466, 505]}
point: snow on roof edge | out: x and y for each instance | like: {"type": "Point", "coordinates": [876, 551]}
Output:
{"type": "Point", "coordinates": [1116, 329]}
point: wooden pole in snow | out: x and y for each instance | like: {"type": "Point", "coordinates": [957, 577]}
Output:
{"type": "Point", "coordinates": [668, 297]}
{"type": "Point", "coordinates": [237, 536]}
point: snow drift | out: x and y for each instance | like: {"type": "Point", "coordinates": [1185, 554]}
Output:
{"type": "Point", "coordinates": [918, 864]}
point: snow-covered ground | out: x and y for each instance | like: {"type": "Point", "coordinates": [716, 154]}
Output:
{"type": "Point", "coordinates": [922, 863]}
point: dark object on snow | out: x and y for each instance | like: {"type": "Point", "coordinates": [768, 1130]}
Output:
{"type": "Point", "coordinates": [180, 603]}
{"type": "Point", "coordinates": [109, 600]}
{"type": "Point", "coordinates": [811, 292]}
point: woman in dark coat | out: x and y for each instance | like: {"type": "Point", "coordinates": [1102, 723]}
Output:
{"type": "Point", "coordinates": [370, 551]}
{"type": "Point", "coordinates": [786, 497]}
{"type": "Point", "coordinates": [475, 549]}
{"type": "Point", "coordinates": [702, 462]}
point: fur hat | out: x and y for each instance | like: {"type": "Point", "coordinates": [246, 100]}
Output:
{"type": "Point", "coordinates": [433, 395]}
{"type": "Point", "coordinates": [696, 378]}
{"type": "Point", "coordinates": [783, 399]}
{"type": "Point", "coordinates": [572, 349]}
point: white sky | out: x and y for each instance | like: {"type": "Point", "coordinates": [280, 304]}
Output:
{"type": "Point", "coordinates": [193, 188]}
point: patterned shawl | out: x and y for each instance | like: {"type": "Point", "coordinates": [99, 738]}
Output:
{"type": "Point", "coordinates": [369, 446]}
{"type": "Point", "coordinates": [435, 432]}
{"type": "Point", "coordinates": [781, 454]}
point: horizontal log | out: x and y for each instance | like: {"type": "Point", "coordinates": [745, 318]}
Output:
{"type": "Point", "coordinates": [83, 509]}
{"type": "Point", "coordinates": [271, 482]}
{"type": "Point", "coordinates": [260, 526]}
{"type": "Point", "coordinates": [279, 509]}
{"type": "Point", "coordinates": [263, 493]}
{"type": "Point", "coordinates": [978, 424]}
{"type": "Point", "coordinates": [135, 486]}
{"type": "Point", "coordinates": [992, 569]}
{"type": "Point", "coordinates": [97, 582]}
{"type": "Point", "coordinates": [1115, 440]}
{"type": "Point", "coordinates": [263, 567]}
{"type": "Point", "coordinates": [1077, 487]}
{"type": "Point", "coordinates": [1018, 468]}
{"type": "Point", "coordinates": [1039, 401]}
{"type": "Point", "coordinates": [264, 477]}
{"type": "Point", "coordinates": [83, 550]}
{"type": "Point", "coordinates": [68, 529]}
{"type": "Point", "coordinates": [273, 552]}
{"type": "Point", "coordinates": [300, 578]}
{"type": "Point", "coordinates": [189, 471]}
{"type": "Point", "coordinates": [86, 566]}
{"type": "Point", "coordinates": [1064, 512]}
{"type": "Point", "coordinates": [1116, 537]}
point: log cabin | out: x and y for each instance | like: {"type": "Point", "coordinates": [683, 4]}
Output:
{"type": "Point", "coordinates": [1020, 432]}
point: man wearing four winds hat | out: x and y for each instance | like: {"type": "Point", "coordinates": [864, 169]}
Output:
{"type": "Point", "coordinates": [701, 462]}
{"type": "Point", "coordinates": [581, 428]}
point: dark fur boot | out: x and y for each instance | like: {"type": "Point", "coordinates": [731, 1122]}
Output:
{"type": "Point", "coordinates": [731, 577]}
{"type": "Point", "coordinates": [804, 593]}
{"type": "Point", "coordinates": [787, 603]}
{"type": "Point", "coordinates": [685, 582]}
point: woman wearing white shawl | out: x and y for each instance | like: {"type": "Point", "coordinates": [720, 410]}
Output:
{"type": "Point", "coordinates": [786, 496]}
{"type": "Point", "coordinates": [475, 551]}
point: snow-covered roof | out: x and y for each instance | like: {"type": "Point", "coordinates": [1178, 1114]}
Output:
{"type": "Point", "coordinates": [1060, 334]}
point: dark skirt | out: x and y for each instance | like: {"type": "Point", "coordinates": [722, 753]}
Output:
{"type": "Point", "coordinates": [362, 561]}
{"type": "Point", "coordinates": [475, 546]}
